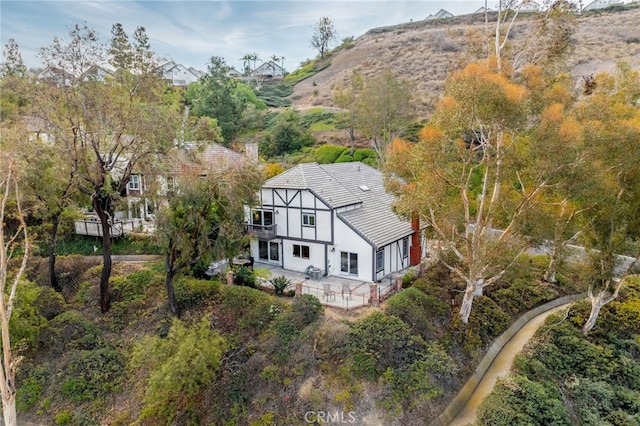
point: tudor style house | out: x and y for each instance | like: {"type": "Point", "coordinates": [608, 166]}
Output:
{"type": "Point", "coordinates": [336, 218]}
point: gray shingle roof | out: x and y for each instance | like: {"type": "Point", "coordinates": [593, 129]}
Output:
{"type": "Point", "coordinates": [343, 184]}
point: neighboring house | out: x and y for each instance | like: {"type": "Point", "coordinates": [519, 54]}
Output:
{"type": "Point", "coordinates": [268, 69]}
{"type": "Point", "coordinates": [442, 14]}
{"type": "Point", "coordinates": [145, 191]}
{"type": "Point", "coordinates": [234, 73]}
{"type": "Point", "coordinates": [483, 10]}
{"type": "Point", "coordinates": [334, 217]}
{"type": "Point", "coordinates": [601, 4]}
{"type": "Point", "coordinates": [178, 74]}
{"type": "Point", "coordinates": [529, 6]}
{"type": "Point", "coordinates": [61, 77]}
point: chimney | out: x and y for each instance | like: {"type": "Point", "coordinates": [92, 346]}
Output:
{"type": "Point", "coordinates": [415, 251]}
{"type": "Point", "coordinates": [251, 151]}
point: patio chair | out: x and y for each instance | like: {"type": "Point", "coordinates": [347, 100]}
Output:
{"type": "Point", "coordinates": [346, 290]}
{"type": "Point", "coordinates": [328, 292]}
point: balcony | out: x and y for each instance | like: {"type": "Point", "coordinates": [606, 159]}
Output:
{"type": "Point", "coordinates": [261, 232]}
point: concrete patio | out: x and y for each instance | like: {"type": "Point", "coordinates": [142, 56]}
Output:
{"type": "Point", "coordinates": [336, 291]}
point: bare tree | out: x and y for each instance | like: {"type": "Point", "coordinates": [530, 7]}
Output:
{"type": "Point", "coordinates": [324, 33]}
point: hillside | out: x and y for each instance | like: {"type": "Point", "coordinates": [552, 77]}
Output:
{"type": "Point", "coordinates": [425, 52]}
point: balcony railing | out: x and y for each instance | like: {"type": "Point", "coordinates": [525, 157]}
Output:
{"type": "Point", "coordinates": [262, 232]}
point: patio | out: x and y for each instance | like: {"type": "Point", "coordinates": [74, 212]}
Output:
{"type": "Point", "coordinates": [335, 291]}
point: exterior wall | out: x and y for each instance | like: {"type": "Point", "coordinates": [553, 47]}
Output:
{"type": "Point", "coordinates": [346, 240]}
{"type": "Point", "coordinates": [316, 256]}
{"type": "Point", "coordinates": [395, 259]}
{"type": "Point", "coordinates": [289, 206]}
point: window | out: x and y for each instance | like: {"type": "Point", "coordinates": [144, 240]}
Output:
{"type": "Point", "coordinates": [308, 219]}
{"type": "Point", "coordinates": [380, 260]}
{"type": "Point", "coordinates": [262, 217]}
{"type": "Point", "coordinates": [301, 251]}
{"type": "Point", "coordinates": [349, 263]}
{"type": "Point", "coordinates": [405, 247]}
{"type": "Point", "coordinates": [134, 182]}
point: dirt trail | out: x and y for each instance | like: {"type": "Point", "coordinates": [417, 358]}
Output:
{"type": "Point", "coordinates": [500, 367]}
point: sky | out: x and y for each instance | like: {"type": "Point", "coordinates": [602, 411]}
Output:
{"type": "Point", "coordinates": [191, 32]}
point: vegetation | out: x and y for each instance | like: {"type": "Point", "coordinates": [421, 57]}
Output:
{"type": "Point", "coordinates": [513, 157]}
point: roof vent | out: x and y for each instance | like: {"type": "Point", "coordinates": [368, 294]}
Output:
{"type": "Point", "coordinates": [364, 188]}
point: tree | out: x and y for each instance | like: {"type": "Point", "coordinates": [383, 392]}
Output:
{"type": "Point", "coordinates": [347, 100]}
{"type": "Point", "coordinates": [610, 117]}
{"type": "Point", "coordinates": [108, 129]}
{"type": "Point", "coordinates": [287, 135]}
{"type": "Point", "coordinates": [121, 49]}
{"type": "Point", "coordinates": [383, 109]}
{"type": "Point", "coordinates": [214, 96]}
{"type": "Point", "coordinates": [463, 178]}
{"type": "Point", "coordinates": [324, 34]}
{"type": "Point", "coordinates": [13, 64]}
{"type": "Point", "coordinates": [203, 221]}
{"type": "Point", "coordinates": [13, 242]}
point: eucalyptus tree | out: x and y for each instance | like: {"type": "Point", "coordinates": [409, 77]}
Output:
{"type": "Point", "coordinates": [107, 128]}
{"type": "Point", "coordinates": [610, 117]}
{"type": "Point", "coordinates": [14, 243]}
{"type": "Point", "coordinates": [477, 172]}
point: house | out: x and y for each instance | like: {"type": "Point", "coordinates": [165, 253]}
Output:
{"type": "Point", "coordinates": [602, 4]}
{"type": "Point", "coordinates": [529, 6]}
{"type": "Point", "coordinates": [268, 69]}
{"type": "Point", "coordinates": [145, 190]}
{"type": "Point", "coordinates": [442, 14]}
{"type": "Point", "coordinates": [335, 218]}
{"type": "Point", "coordinates": [234, 73]}
{"type": "Point", "coordinates": [178, 74]}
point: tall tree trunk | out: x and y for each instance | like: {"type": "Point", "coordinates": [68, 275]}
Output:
{"type": "Point", "coordinates": [467, 301]}
{"type": "Point", "coordinates": [9, 409]}
{"type": "Point", "coordinates": [596, 306]}
{"type": "Point", "coordinates": [173, 304]}
{"type": "Point", "coordinates": [53, 241]}
{"type": "Point", "coordinates": [550, 272]}
{"type": "Point", "coordinates": [597, 302]}
{"type": "Point", "coordinates": [105, 286]}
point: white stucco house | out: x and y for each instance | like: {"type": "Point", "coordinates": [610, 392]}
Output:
{"type": "Point", "coordinates": [334, 217]}
{"type": "Point", "coordinates": [178, 74]}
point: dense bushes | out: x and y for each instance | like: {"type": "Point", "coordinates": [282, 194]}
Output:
{"type": "Point", "coordinates": [568, 378]}
{"type": "Point", "coordinates": [179, 368]}
{"type": "Point", "coordinates": [92, 374]}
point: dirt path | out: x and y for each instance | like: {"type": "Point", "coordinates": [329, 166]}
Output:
{"type": "Point", "coordinates": [500, 367]}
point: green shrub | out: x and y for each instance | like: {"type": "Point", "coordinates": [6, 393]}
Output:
{"type": "Point", "coordinates": [132, 287]}
{"type": "Point", "coordinates": [192, 292]}
{"type": "Point", "coordinates": [93, 374]}
{"type": "Point", "coordinates": [522, 295]}
{"type": "Point", "coordinates": [136, 244]}
{"type": "Point", "coordinates": [419, 311]}
{"type": "Point", "coordinates": [327, 154]}
{"type": "Point", "coordinates": [64, 417]}
{"type": "Point", "coordinates": [381, 341]}
{"type": "Point", "coordinates": [345, 157]}
{"type": "Point", "coordinates": [245, 277]}
{"type": "Point", "coordinates": [247, 309]}
{"type": "Point", "coordinates": [26, 322]}
{"type": "Point", "coordinates": [49, 303]}
{"type": "Point", "coordinates": [29, 391]}
{"type": "Point", "coordinates": [408, 278]}
{"type": "Point", "coordinates": [279, 284]}
{"type": "Point", "coordinates": [362, 154]}
{"type": "Point", "coordinates": [69, 330]}
{"type": "Point", "coordinates": [180, 367]}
